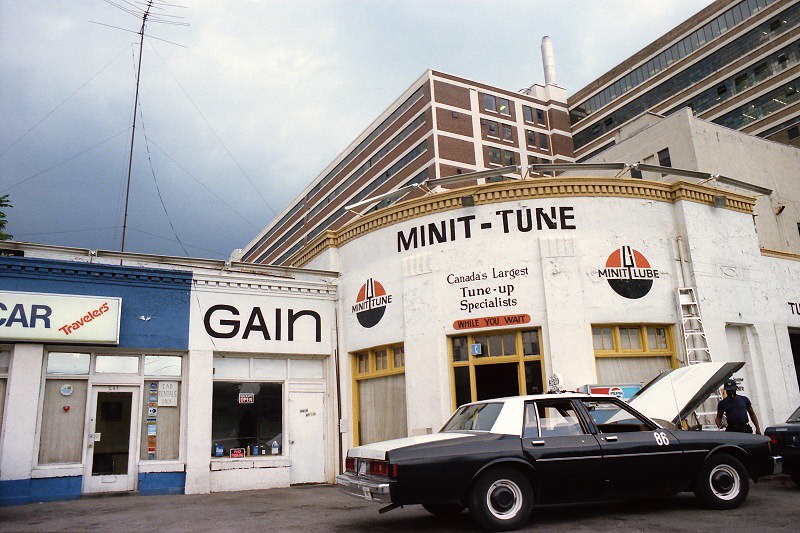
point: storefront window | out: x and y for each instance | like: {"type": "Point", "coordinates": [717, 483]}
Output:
{"type": "Point", "coordinates": [246, 419]}
{"type": "Point", "coordinates": [116, 364]}
{"type": "Point", "coordinates": [63, 419]}
{"type": "Point", "coordinates": [161, 420]}
{"type": "Point", "coordinates": [231, 367]}
{"type": "Point", "coordinates": [74, 364]}
{"type": "Point", "coordinates": [162, 365]}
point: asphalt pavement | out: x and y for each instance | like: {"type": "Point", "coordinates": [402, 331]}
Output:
{"type": "Point", "coordinates": [773, 505]}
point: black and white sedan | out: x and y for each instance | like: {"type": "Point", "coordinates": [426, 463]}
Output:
{"type": "Point", "coordinates": [499, 457]}
{"type": "Point", "coordinates": [785, 440]}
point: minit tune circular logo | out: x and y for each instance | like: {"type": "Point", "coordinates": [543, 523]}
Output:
{"type": "Point", "coordinates": [371, 303]}
{"type": "Point", "coordinates": [629, 273]}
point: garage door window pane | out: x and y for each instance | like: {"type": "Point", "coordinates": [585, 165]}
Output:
{"type": "Point", "coordinates": [246, 414]}
{"type": "Point", "coordinates": [399, 357]}
{"type": "Point", "coordinates": [629, 338]}
{"type": "Point", "coordinates": [509, 344]}
{"type": "Point", "coordinates": [63, 412]}
{"type": "Point", "coordinates": [67, 363]}
{"type": "Point", "coordinates": [363, 363]}
{"type": "Point", "coordinates": [602, 339]}
{"type": "Point", "coordinates": [162, 365]}
{"type": "Point", "coordinates": [657, 338]}
{"type": "Point", "coordinates": [160, 432]}
{"type": "Point", "coordinates": [116, 364]}
{"type": "Point", "coordinates": [4, 359]}
{"type": "Point", "coordinates": [381, 360]}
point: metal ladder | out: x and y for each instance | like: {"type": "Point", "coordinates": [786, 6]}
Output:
{"type": "Point", "coordinates": [694, 335]}
{"type": "Point", "coordinates": [696, 349]}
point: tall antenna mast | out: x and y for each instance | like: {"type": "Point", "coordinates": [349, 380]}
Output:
{"type": "Point", "coordinates": [147, 11]}
{"type": "Point", "coordinates": [133, 129]}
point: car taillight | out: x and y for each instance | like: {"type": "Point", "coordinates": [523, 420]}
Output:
{"type": "Point", "coordinates": [379, 468]}
{"type": "Point", "coordinates": [393, 471]}
{"type": "Point", "coordinates": [350, 464]}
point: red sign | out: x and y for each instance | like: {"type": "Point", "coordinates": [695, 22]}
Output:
{"type": "Point", "coordinates": [491, 321]}
{"type": "Point", "coordinates": [237, 453]}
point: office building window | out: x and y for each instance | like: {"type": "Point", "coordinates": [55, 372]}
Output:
{"type": "Point", "coordinates": [494, 155]}
{"type": "Point", "coordinates": [490, 127]}
{"type": "Point", "coordinates": [794, 132]}
{"type": "Point", "coordinates": [663, 158]}
{"type": "Point", "coordinates": [531, 137]}
{"type": "Point", "coordinates": [540, 116]}
{"type": "Point", "coordinates": [503, 106]}
{"type": "Point", "coordinates": [527, 114]}
{"type": "Point", "coordinates": [509, 158]}
{"type": "Point", "coordinates": [507, 132]}
{"type": "Point", "coordinates": [489, 103]}
{"type": "Point", "coordinates": [543, 142]}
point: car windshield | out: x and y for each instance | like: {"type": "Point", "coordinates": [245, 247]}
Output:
{"type": "Point", "coordinates": [795, 418]}
{"type": "Point", "coordinates": [475, 417]}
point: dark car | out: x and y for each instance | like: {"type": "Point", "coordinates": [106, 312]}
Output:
{"type": "Point", "coordinates": [499, 457]}
{"type": "Point", "coordinates": [785, 440]}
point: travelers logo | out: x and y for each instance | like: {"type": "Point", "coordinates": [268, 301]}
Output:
{"type": "Point", "coordinates": [628, 272]}
{"type": "Point", "coordinates": [371, 303]}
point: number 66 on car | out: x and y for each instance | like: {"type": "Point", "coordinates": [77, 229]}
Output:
{"type": "Point", "coordinates": [499, 457]}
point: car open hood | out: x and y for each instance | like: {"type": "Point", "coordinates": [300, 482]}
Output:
{"type": "Point", "coordinates": [673, 396]}
{"type": "Point", "coordinates": [377, 450]}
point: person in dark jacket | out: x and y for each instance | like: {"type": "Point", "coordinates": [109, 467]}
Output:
{"type": "Point", "coordinates": [736, 408]}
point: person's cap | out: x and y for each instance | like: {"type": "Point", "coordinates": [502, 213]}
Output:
{"type": "Point", "coordinates": [730, 385]}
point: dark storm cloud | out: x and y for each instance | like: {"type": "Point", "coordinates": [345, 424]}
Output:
{"type": "Point", "coordinates": [284, 85]}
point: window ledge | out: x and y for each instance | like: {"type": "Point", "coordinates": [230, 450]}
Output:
{"type": "Point", "coordinates": [66, 470]}
{"type": "Point", "coordinates": [149, 467]}
{"type": "Point", "coordinates": [249, 462]}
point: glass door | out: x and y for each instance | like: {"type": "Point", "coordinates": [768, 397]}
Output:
{"type": "Point", "coordinates": [112, 440]}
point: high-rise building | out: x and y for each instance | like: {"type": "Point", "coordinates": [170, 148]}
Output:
{"type": "Point", "coordinates": [440, 126]}
{"type": "Point", "coordinates": [735, 63]}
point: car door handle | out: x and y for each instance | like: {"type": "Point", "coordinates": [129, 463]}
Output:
{"type": "Point", "coordinates": [612, 439]}
{"type": "Point", "coordinates": [537, 443]}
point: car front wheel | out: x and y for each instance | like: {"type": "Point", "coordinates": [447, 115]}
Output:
{"type": "Point", "coordinates": [501, 499]}
{"type": "Point", "coordinates": [723, 482]}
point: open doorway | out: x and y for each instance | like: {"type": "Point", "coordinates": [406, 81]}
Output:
{"type": "Point", "coordinates": [794, 340]}
{"type": "Point", "coordinates": [496, 380]}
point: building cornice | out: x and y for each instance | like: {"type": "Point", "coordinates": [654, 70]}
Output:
{"type": "Point", "coordinates": [778, 254]}
{"type": "Point", "coordinates": [534, 188]}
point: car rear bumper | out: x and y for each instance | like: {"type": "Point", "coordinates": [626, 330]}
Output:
{"type": "Point", "coordinates": [366, 489]}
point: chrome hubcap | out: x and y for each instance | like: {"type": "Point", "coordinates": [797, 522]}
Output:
{"type": "Point", "coordinates": [725, 482]}
{"type": "Point", "coordinates": [504, 499]}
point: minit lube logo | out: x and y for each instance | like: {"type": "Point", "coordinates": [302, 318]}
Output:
{"type": "Point", "coordinates": [371, 303]}
{"type": "Point", "coordinates": [629, 273]}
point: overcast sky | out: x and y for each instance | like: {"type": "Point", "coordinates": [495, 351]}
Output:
{"type": "Point", "coordinates": [263, 96]}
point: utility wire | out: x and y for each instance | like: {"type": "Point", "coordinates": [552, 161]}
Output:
{"type": "Point", "coordinates": [84, 84]}
{"type": "Point", "coordinates": [212, 193]}
{"type": "Point", "coordinates": [252, 183]}
{"type": "Point", "coordinates": [45, 171]}
{"type": "Point", "coordinates": [217, 252]}
{"type": "Point", "coordinates": [155, 181]}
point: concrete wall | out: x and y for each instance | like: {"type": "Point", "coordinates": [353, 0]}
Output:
{"type": "Point", "coordinates": [696, 144]}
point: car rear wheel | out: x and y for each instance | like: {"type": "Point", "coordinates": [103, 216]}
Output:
{"type": "Point", "coordinates": [443, 509]}
{"type": "Point", "coordinates": [723, 482]}
{"type": "Point", "coordinates": [501, 499]}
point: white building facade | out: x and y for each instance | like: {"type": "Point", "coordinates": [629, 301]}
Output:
{"type": "Point", "coordinates": [131, 373]}
{"type": "Point", "coordinates": [487, 291]}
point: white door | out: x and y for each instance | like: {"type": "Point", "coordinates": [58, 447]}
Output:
{"type": "Point", "coordinates": [306, 430]}
{"type": "Point", "coordinates": [112, 440]}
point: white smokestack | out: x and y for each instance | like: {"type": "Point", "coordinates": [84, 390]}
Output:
{"type": "Point", "coordinates": [548, 61]}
